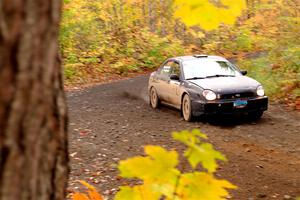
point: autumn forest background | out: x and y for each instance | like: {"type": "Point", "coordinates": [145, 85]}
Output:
{"type": "Point", "coordinates": [51, 138]}
{"type": "Point", "coordinates": [105, 40]}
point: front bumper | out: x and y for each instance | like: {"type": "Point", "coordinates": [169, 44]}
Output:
{"type": "Point", "coordinates": [227, 106]}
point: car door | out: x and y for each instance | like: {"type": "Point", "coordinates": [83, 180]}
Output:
{"type": "Point", "coordinates": [161, 82]}
{"type": "Point", "coordinates": [173, 87]}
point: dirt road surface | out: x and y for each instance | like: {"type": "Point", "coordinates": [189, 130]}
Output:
{"type": "Point", "coordinates": [112, 122]}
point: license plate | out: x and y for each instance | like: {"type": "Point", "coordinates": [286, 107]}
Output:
{"type": "Point", "coordinates": [240, 104]}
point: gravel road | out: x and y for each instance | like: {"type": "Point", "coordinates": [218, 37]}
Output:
{"type": "Point", "coordinates": [114, 121]}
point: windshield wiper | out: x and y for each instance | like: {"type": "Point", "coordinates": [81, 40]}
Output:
{"type": "Point", "coordinates": [195, 78]}
{"type": "Point", "coordinates": [219, 75]}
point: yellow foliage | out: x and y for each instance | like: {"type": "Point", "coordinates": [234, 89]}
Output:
{"type": "Point", "coordinates": [208, 15]}
{"type": "Point", "coordinates": [198, 151]}
{"type": "Point", "coordinates": [202, 186]}
{"type": "Point", "coordinates": [161, 178]}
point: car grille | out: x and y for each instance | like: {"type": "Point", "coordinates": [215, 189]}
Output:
{"type": "Point", "coordinates": [237, 95]}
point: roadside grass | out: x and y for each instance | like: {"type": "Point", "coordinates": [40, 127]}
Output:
{"type": "Point", "coordinates": [280, 83]}
{"type": "Point", "coordinates": [261, 70]}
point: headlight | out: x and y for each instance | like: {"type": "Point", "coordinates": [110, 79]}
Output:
{"type": "Point", "coordinates": [209, 95]}
{"type": "Point", "coordinates": [260, 91]}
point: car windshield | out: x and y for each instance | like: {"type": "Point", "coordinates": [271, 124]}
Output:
{"type": "Point", "coordinates": [206, 68]}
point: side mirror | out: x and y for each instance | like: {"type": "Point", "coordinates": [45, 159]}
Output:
{"type": "Point", "coordinates": [174, 77]}
{"type": "Point", "coordinates": [244, 72]}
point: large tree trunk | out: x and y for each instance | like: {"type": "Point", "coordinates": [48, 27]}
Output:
{"type": "Point", "coordinates": [33, 130]}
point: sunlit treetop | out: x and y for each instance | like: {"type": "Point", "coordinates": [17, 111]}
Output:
{"type": "Point", "coordinates": [209, 14]}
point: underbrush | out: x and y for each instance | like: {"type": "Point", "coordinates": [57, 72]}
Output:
{"type": "Point", "coordinates": [113, 38]}
{"type": "Point", "coordinates": [146, 52]}
{"type": "Point", "coordinates": [280, 82]}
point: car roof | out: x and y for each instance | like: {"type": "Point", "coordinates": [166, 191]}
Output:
{"type": "Point", "coordinates": [195, 57]}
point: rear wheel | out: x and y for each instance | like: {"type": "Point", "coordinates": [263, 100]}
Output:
{"type": "Point", "coordinates": [154, 100]}
{"type": "Point", "coordinates": [187, 108]}
{"type": "Point", "coordinates": [255, 115]}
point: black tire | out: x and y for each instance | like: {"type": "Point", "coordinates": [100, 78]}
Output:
{"type": "Point", "coordinates": [255, 115]}
{"type": "Point", "coordinates": [153, 98]}
{"type": "Point", "coordinates": [186, 108]}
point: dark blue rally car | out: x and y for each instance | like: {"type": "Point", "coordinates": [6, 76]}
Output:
{"type": "Point", "coordinates": [203, 85]}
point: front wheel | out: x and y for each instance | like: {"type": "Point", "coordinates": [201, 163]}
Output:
{"type": "Point", "coordinates": [154, 100]}
{"type": "Point", "coordinates": [255, 115]}
{"type": "Point", "coordinates": [187, 108]}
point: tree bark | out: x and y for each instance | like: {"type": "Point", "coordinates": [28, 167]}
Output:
{"type": "Point", "coordinates": [33, 114]}
{"type": "Point", "coordinates": [151, 15]}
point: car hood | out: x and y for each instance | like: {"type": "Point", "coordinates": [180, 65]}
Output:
{"type": "Point", "coordinates": [227, 84]}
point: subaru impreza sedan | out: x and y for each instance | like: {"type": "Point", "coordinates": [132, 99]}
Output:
{"type": "Point", "coordinates": [206, 85]}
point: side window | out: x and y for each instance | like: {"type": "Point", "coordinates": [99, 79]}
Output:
{"type": "Point", "coordinates": [175, 69]}
{"type": "Point", "coordinates": [166, 69]}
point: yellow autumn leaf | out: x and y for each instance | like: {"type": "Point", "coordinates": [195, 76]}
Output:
{"type": "Point", "coordinates": [204, 154]}
{"type": "Point", "coordinates": [161, 178]}
{"type": "Point", "coordinates": [208, 15]}
{"type": "Point", "coordinates": [198, 152]}
{"type": "Point", "coordinates": [157, 170]}
{"type": "Point", "coordinates": [140, 192]}
{"type": "Point", "coordinates": [161, 162]}
{"type": "Point", "coordinates": [189, 137]}
{"type": "Point", "coordinates": [202, 186]}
